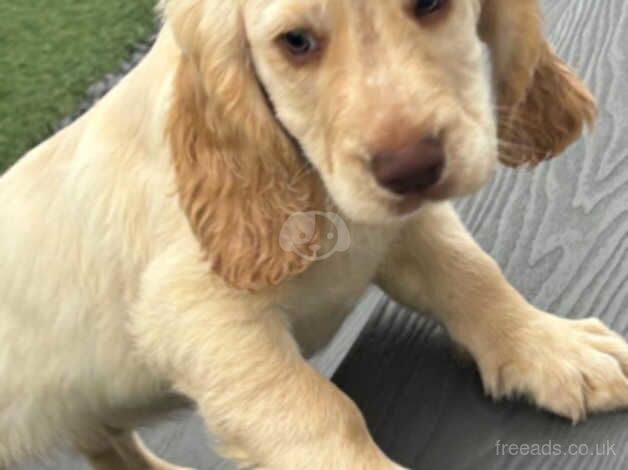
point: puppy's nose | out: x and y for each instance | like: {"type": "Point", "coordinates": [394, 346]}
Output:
{"type": "Point", "coordinates": [412, 168]}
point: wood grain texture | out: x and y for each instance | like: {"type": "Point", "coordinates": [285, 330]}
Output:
{"type": "Point", "coordinates": [560, 232]}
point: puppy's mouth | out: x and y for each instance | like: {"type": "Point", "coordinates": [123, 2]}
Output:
{"type": "Point", "coordinates": [405, 191]}
{"type": "Point", "coordinates": [413, 200]}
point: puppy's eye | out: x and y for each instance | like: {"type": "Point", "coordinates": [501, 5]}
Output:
{"type": "Point", "coordinates": [299, 43]}
{"type": "Point", "coordinates": [427, 7]}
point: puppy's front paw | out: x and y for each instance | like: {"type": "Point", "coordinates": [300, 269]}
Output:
{"type": "Point", "coordinates": [569, 367]}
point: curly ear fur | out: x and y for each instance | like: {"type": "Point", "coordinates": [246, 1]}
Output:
{"type": "Point", "coordinates": [542, 105]}
{"type": "Point", "coordinates": [239, 177]}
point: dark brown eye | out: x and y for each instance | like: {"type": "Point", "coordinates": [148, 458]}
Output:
{"type": "Point", "coordinates": [299, 43]}
{"type": "Point", "coordinates": [427, 7]}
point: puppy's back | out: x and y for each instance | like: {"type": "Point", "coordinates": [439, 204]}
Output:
{"type": "Point", "coordinates": [79, 220]}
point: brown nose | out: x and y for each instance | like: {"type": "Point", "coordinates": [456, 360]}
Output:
{"type": "Point", "coordinates": [411, 169]}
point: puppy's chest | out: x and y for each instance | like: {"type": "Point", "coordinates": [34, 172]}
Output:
{"type": "Point", "coordinates": [319, 300]}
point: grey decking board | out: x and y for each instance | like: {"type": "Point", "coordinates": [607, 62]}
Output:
{"type": "Point", "coordinates": [426, 409]}
{"type": "Point", "coordinates": [559, 232]}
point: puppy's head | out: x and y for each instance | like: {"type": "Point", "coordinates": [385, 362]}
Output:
{"type": "Point", "coordinates": [381, 105]}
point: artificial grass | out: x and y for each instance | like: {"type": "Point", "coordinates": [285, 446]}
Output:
{"type": "Point", "coordinates": [50, 52]}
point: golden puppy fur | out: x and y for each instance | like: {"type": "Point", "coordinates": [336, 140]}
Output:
{"type": "Point", "coordinates": [141, 252]}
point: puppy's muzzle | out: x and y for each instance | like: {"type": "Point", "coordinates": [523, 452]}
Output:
{"type": "Point", "coordinates": [412, 169]}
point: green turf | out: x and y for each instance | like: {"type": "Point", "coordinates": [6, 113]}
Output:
{"type": "Point", "coordinates": [50, 52]}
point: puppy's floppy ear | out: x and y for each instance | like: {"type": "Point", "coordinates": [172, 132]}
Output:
{"type": "Point", "coordinates": [542, 105]}
{"type": "Point", "coordinates": [239, 176]}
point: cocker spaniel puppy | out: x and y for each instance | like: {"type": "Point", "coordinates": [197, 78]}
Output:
{"type": "Point", "coordinates": [172, 242]}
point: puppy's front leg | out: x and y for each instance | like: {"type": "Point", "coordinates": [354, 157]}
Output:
{"type": "Point", "coordinates": [232, 353]}
{"type": "Point", "coordinates": [569, 367]}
